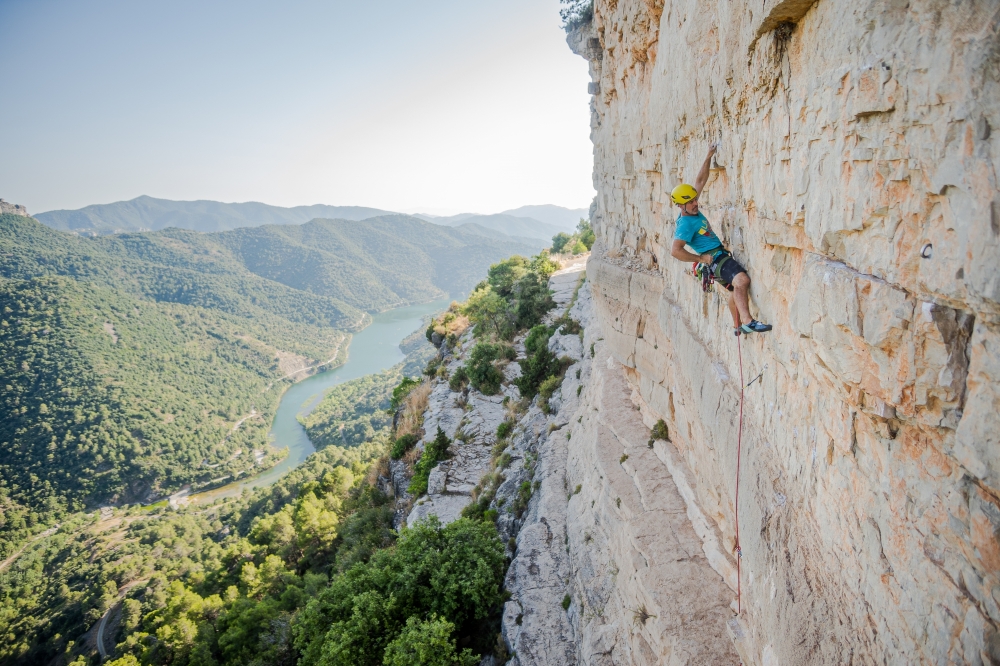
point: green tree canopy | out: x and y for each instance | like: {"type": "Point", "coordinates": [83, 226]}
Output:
{"type": "Point", "coordinates": [427, 643]}
{"type": "Point", "coordinates": [489, 311]}
{"type": "Point", "coordinates": [559, 241]}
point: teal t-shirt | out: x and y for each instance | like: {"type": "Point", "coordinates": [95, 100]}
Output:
{"type": "Point", "coordinates": [694, 230]}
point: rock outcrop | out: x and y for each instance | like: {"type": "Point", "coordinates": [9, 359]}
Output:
{"type": "Point", "coordinates": [609, 568]}
{"type": "Point", "coordinates": [12, 209]}
{"type": "Point", "coordinates": [470, 419]}
{"type": "Point", "coordinates": [856, 180]}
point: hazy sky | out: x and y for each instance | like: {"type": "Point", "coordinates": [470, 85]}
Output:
{"type": "Point", "coordinates": [436, 106]}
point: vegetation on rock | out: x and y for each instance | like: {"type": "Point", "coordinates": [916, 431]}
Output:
{"type": "Point", "coordinates": [576, 13]}
{"type": "Point", "coordinates": [578, 243]}
{"type": "Point", "coordinates": [435, 451]}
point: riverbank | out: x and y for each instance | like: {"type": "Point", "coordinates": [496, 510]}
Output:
{"type": "Point", "coordinates": [373, 349]}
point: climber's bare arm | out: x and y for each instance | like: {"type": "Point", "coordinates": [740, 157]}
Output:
{"type": "Point", "coordinates": [702, 179]}
{"type": "Point", "coordinates": [677, 251]}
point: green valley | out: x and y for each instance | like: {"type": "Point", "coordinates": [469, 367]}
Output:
{"type": "Point", "coordinates": [308, 570]}
{"type": "Point", "coordinates": [133, 365]}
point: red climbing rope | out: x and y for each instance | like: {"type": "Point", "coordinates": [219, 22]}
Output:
{"type": "Point", "coordinates": [739, 450]}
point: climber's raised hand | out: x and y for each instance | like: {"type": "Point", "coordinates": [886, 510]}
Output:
{"type": "Point", "coordinates": [702, 178]}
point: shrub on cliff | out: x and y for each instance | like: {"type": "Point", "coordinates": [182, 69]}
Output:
{"type": "Point", "coordinates": [401, 391]}
{"type": "Point", "coordinates": [539, 363]}
{"type": "Point", "coordinates": [559, 241]}
{"type": "Point", "coordinates": [533, 300]}
{"type": "Point", "coordinates": [459, 379]}
{"type": "Point", "coordinates": [586, 234]}
{"type": "Point", "coordinates": [514, 296]}
{"type": "Point", "coordinates": [503, 275]}
{"type": "Point", "coordinates": [483, 373]}
{"type": "Point", "coordinates": [451, 324]}
{"type": "Point", "coordinates": [402, 445]}
{"type": "Point", "coordinates": [546, 389]}
{"type": "Point", "coordinates": [491, 313]}
{"type": "Point", "coordinates": [543, 266]}
{"type": "Point", "coordinates": [435, 451]}
{"type": "Point", "coordinates": [576, 13]}
{"type": "Point", "coordinates": [580, 242]}
{"type": "Point", "coordinates": [504, 429]}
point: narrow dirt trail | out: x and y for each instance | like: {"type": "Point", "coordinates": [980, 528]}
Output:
{"type": "Point", "coordinates": [99, 638]}
{"type": "Point", "coordinates": [49, 532]}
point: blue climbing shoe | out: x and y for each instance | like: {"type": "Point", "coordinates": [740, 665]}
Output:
{"type": "Point", "coordinates": [755, 327]}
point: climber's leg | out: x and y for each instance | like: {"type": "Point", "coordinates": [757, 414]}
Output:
{"type": "Point", "coordinates": [741, 296]}
{"type": "Point", "coordinates": [734, 311]}
{"type": "Point", "coordinates": [736, 276]}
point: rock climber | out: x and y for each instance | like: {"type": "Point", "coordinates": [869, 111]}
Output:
{"type": "Point", "coordinates": [694, 231]}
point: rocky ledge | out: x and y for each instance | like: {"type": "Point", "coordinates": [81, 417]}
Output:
{"type": "Point", "coordinates": [611, 559]}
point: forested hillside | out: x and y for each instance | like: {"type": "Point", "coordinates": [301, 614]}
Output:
{"type": "Point", "coordinates": [156, 267]}
{"type": "Point", "coordinates": [373, 264]}
{"type": "Point", "coordinates": [111, 398]}
{"type": "Point", "coordinates": [129, 361]}
{"type": "Point", "coordinates": [309, 571]}
{"type": "Point", "coordinates": [325, 272]}
{"type": "Point", "coordinates": [354, 412]}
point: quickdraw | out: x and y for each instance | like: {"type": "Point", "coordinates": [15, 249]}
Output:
{"type": "Point", "coordinates": [709, 273]}
{"type": "Point", "coordinates": [704, 273]}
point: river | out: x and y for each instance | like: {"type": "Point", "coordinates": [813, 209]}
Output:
{"type": "Point", "coordinates": [374, 349]}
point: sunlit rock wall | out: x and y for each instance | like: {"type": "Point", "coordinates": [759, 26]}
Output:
{"type": "Point", "coordinates": [854, 138]}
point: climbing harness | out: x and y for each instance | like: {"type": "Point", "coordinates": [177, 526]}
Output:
{"type": "Point", "coordinates": [739, 450]}
{"type": "Point", "coordinates": [709, 273]}
{"type": "Point", "coordinates": [703, 273]}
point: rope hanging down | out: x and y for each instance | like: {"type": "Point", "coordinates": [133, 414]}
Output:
{"type": "Point", "coordinates": [739, 450]}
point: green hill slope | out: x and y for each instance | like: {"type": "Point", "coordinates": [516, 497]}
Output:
{"type": "Point", "coordinates": [372, 264]}
{"type": "Point", "coordinates": [156, 267]}
{"type": "Point", "coordinates": [112, 398]}
{"type": "Point", "coordinates": [324, 272]}
{"type": "Point", "coordinates": [127, 361]}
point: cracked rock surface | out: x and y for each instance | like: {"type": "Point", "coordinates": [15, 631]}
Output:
{"type": "Point", "coordinates": [612, 538]}
{"type": "Point", "coordinates": [857, 181]}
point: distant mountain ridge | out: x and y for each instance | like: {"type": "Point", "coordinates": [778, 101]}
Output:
{"type": "Point", "coordinates": [542, 222]}
{"type": "Point", "coordinates": [564, 218]}
{"type": "Point", "coordinates": [148, 214]}
{"type": "Point", "coordinates": [505, 224]}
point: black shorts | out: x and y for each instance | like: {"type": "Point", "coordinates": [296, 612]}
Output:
{"type": "Point", "coordinates": [727, 271]}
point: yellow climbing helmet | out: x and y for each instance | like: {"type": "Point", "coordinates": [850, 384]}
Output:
{"type": "Point", "coordinates": [683, 193]}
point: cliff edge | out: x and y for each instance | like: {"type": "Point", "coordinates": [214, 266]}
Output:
{"type": "Point", "coordinates": [856, 180]}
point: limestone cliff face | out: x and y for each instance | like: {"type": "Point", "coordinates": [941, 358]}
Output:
{"type": "Point", "coordinates": [857, 181]}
